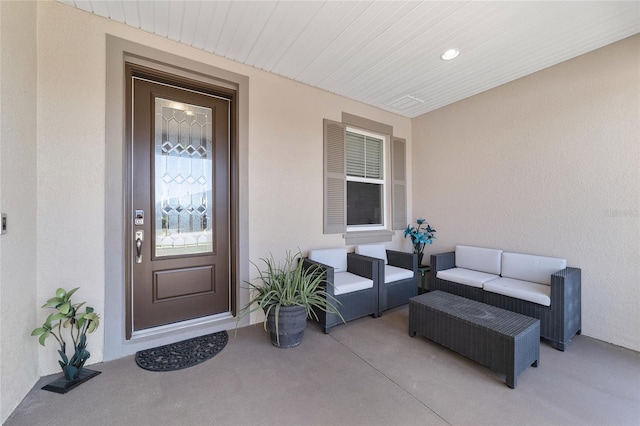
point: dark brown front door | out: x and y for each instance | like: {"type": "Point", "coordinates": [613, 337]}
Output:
{"type": "Point", "coordinates": [179, 233]}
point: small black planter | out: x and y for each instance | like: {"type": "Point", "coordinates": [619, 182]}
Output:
{"type": "Point", "coordinates": [292, 320]}
{"type": "Point", "coordinates": [62, 385]}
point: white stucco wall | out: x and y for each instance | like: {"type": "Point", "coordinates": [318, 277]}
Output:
{"type": "Point", "coordinates": [18, 68]}
{"type": "Point", "coordinates": [548, 164]}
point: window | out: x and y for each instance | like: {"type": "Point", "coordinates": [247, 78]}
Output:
{"type": "Point", "coordinates": [364, 179]}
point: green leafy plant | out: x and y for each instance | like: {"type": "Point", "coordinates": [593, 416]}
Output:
{"type": "Point", "coordinates": [421, 235]}
{"type": "Point", "coordinates": [288, 284]}
{"type": "Point", "coordinates": [67, 315]}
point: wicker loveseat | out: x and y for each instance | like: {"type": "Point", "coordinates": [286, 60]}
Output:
{"type": "Point", "coordinates": [536, 286]}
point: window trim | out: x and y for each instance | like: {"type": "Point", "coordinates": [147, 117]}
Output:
{"type": "Point", "coordinates": [334, 178]}
{"type": "Point", "coordinates": [384, 182]}
{"type": "Point", "coordinates": [368, 237]}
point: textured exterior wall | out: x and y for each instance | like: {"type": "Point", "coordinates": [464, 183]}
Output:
{"type": "Point", "coordinates": [284, 155]}
{"type": "Point", "coordinates": [71, 170]}
{"type": "Point", "coordinates": [548, 164]}
{"type": "Point", "coordinates": [18, 355]}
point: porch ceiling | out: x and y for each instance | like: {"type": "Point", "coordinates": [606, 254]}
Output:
{"type": "Point", "coordinates": [386, 53]}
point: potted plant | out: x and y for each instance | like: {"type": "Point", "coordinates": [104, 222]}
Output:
{"type": "Point", "coordinates": [288, 294]}
{"type": "Point", "coordinates": [420, 236]}
{"type": "Point", "coordinates": [67, 316]}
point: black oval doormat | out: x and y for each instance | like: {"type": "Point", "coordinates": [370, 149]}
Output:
{"type": "Point", "coordinates": [187, 353]}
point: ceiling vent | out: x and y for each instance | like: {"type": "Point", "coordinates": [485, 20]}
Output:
{"type": "Point", "coordinates": [405, 102]}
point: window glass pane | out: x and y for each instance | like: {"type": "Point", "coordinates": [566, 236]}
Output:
{"type": "Point", "coordinates": [364, 156]}
{"type": "Point", "coordinates": [364, 203]}
{"type": "Point", "coordinates": [355, 155]}
{"type": "Point", "coordinates": [373, 158]}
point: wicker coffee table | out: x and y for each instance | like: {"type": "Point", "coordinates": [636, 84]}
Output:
{"type": "Point", "coordinates": [504, 341]}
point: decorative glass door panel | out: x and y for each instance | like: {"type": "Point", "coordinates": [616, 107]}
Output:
{"type": "Point", "coordinates": [183, 179]}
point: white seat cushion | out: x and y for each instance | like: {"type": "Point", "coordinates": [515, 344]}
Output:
{"type": "Point", "coordinates": [335, 257]}
{"type": "Point", "coordinates": [524, 290]}
{"type": "Point", "coordinates": [379, 251]}
{"type": "Point", "coordinates": [346, 282]}
{"type": "Point", "coordinates": [527, 267]}
{"type": "Point", "coordinates": [466, 276]}
{"type": "Point", "coordinates": [393, 273]}
{"type": "Point", "coordinates": [479, 259]}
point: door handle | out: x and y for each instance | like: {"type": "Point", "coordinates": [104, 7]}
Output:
{"type": "Point", "coordinates": [139, 239]}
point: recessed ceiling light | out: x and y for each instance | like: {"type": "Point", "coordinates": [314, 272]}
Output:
{"type": "Point", "coordinates": [450, 54]}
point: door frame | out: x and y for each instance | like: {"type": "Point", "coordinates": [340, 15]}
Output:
{"type": "Point", "coordinates": [164, 79]}
{"type": "Point", "coordinates": [119, 52]}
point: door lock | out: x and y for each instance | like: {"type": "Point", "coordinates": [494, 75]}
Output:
{"type": "Point", "coordinates": [138, 219]}
{"type": "Point", "coordinates": [139, 240]}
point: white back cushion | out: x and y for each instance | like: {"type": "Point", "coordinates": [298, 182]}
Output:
{"type": "Point", "coordinates": [336, 258]}
{"type": "Point", "coordinates": [527, 267]}
{"type": "Point", "coordinates": [479, 259]}
{"type": "Point", "coordinates": [379, 251]}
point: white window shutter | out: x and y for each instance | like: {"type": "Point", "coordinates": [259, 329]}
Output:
{"type": "Point", "coordinates": [335, 181]}
{"type": "Point", "coordinates": [398, 183]}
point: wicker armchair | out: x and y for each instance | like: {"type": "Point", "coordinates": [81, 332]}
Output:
{"type": "Point", "coordinates": [353, 304]}
{"type": "Point", "coordinates": [398, 275]}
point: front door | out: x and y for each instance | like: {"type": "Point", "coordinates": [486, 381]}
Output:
{"type": "Point", "coordinates": [179, 176]}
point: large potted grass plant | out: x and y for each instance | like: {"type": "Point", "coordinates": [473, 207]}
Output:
{"type": "Point", "coordinates": [288, 294]}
